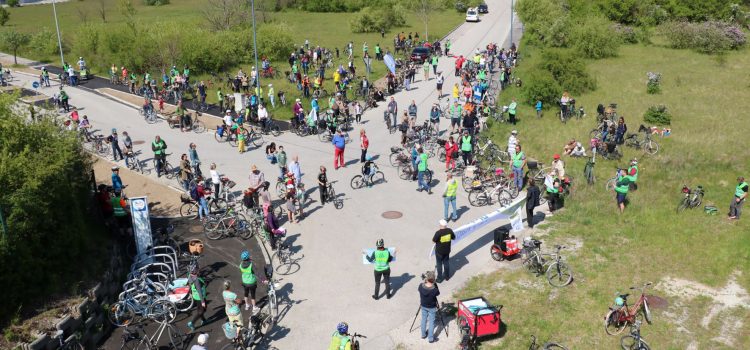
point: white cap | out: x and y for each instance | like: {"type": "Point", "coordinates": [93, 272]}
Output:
{"type": "Point", "coordinates": [514, 132]}
{"type": "Point", "coordinates": [443, 223]}
{"type": "Point", "coordinates": [203, 339]}
{"type": "Point", "coordinates": [229, 111]}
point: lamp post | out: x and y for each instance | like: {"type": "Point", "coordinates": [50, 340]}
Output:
{"type": "Point", "coordinates": [59, 40]}
{"type": "Point", "coordinates": [255, 50]}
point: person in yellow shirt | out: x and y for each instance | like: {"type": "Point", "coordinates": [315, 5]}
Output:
{"type": "Point", "coordinates": [336, 77]}
{"type": "Point", "coordinates": [455, 92]}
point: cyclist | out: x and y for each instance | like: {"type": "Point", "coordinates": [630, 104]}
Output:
{"type": "Point", "coordinates": [202, 340]}
{"type": "Point", "coordinates": [85, 126]}
{"type": "Point", "coordinates": [249, 281]}
{"type": "Point", "coordinates": [198, 291]}
{"type": "Point", "coordinates": [340, 338]}
{"type": "Point", "coordinates": [116, 180]}
{"type": "Point", "coordinates": [128, 143]}
{"type": "Point", "coordinates": [381, 258]}
{"type": "Point", "coordinates": [633, 172]}
{"type": "Point", "coordinates": [621, 188]}
{"type": "Point", "coordinates": [148, 106]}
{"type": "Point", "coordinates": [120, 207]}
{"type": "Point", "coordinates": [232, 304]}
{"type": "Point", "coordinates": [159, 147]}
{"type": "Point", "coordinates": [368, 170]}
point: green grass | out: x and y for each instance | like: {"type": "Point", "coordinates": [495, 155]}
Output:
{"type": "Point", "coordinates": [324, 29]}
{"type": "Point", "coordinates": [649, 242]}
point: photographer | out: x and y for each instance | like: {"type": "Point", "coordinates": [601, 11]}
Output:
{"type": "Point", "coordinates": [428, 292]}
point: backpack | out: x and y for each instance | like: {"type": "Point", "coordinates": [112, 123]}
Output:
{"type": "Point", "coordinates": [710, 209]}
{"type": "Point", "coordinates": [194, 193]}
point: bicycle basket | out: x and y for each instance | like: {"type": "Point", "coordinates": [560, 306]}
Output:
{"type": "Point", "coordinates": [395, 149]}
{"type": "Point", "coordinates": [230, 331]}
{"type": "Point", "coordinates": [230, 184]}
{"type": "Point", "coordinates": [532, 164]}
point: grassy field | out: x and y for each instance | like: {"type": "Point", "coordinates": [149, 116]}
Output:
{"type": "Point", "coordinates": [650, 242]}
{"type": "Point", "coordinates": [325, 29]}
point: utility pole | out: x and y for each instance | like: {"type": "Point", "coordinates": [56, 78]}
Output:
{"type": "Point", "coordinates": [255, 49]}
{"type": "Point", "coordinates": [511, 22]}
{"type": "Point", "coordinates": [59, 40]}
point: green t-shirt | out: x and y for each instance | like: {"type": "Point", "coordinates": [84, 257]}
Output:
{"type": "Point", "coordinates": [423, 162]}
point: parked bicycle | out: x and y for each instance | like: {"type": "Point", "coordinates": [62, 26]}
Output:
{"type": "Point", "coordinates": [634, 341]}
{"type": "Point", "coordinates": [488, 193]}
{"type": "Point", "coordinates": [557, 272]}
{"type": "Point", "coordinates": [284, 261]}
{"type": "Point", "coordinates": [642, 141]}
{"type": "Point", "coordinates": [134, 163]}
{"type": "Point", "coordinates": [338, 203]}
{"type": "Point", "coordinates": [546, 346]}
{"type": "Point", "coordinates": [621, 315]}
{"type": "Point", "coordinates": [230, 224]}
{"type": "Point", "coordinates": [132, 339]}
{"type": "Point", "coordinates": [691, 199]}
{"type": "Point", "coordinates": [142, 302]}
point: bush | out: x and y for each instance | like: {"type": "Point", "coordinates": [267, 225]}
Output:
{"type": "Point", "coordinates": [657, 115]}
{"type": "Point", "coordinates": [4, 16]}
{"type": "Point", "coordinates": [332, 5]}
{"type": "Point", "coordinates": [706, 37]}
{"type": "Point", "coordinates": [545, 22]}
{"type": "Point", "coordinates": [44, 42]}
{"type": "Point", "coordinates": [568, 70]}
{"type": "Point", "coordinates": [372, 20]}
{"type": "Point", "coordinates": [13, 3]}
{"type": "Point", "coordinates": [653, 86]}
{"type": "Point", "coordinates": [540, 85]}
{"type": "Point", "coordinates": [593, 37]}
{"type": "Point", "coordinates": [275, 41]}
{"type": "Point", "coordinates": [155, 2]}
{"type": "Point", "coordinates": [627, 34]}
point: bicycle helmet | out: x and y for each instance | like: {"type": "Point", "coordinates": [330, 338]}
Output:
{"type": "Point", "coordinates": [227, 284]}
{"type": "Point", "coordinates": [368, 158]}
{"type": "Point", "coordinates": [114, 130]}
{"type": "Point", "coordinates": [245, 255]}
{"type": "Point", "coordinates": [619, 301]}
{"type": "Point", "coordinates": [380, 243]}
{"type": "Point", "coordinates": [342, 328]}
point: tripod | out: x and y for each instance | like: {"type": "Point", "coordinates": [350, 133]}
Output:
{"type": "Point", "coordinates": [440, 314]}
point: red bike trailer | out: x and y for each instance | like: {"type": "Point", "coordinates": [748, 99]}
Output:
{"type": "Point", "coordinates": [478, 318]}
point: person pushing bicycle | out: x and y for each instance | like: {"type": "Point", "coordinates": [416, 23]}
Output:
{"type": "Point", "coordinates": [340, 339]}
{"type": "Point", "coordinates": [368, 170]}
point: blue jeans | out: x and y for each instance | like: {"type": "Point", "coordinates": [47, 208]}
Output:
{"type": "Point", "coordinates": [447, 201]}
{"type": "Point", "coordinates": [428, 321]}
{"type": "Point", "coordinates": [421, 183]}
{"type": "Point", "coordinates": [518, 177]}
{"type": "Point", "coordinates": [202, 208]}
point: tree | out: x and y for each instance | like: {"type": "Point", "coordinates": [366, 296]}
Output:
{"type": "Point", "coordinates": [13, 40]}
{"type": "Point", "coordinates": [224, 14]}
{"type": "Point", "coordinates": [102, 10]}
{"type": "Point", "coordinates": [128, 11]}
{"type": "Point", "coordinates": [4, 16]}
{"type": "Point", "coordinates": [423, 9]}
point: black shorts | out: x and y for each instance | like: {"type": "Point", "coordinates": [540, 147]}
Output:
{"type": "Point", "coordinates": [621, 197]}
{"type": "Point", "coordinates": [455, 122]}
{"type": "Point", "coordinates": [250, 290]}
{"type": "Point", "coordinates": [439, 86]}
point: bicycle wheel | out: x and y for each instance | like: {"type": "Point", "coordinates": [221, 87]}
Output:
{"type": "Point", "coordinates": [169, 171]}
{"type": "Point", "coordinates": [73, 345]}
{"type": "Point", "coordinates": [553, 346]}
{"type": "Point", "coordinates": [215, 230]}
{"type": "Point", "coordinates": [610, 185]}
{"type": "Point", "coordinates": [646, 311]}
{"type": "Point", "coordinates": [189, 210]}
{"type": "Point", "coordinates": [441, 155]}
{"type": "Point", "coordinates": [629, 342]}
{"type": "Point", "coordinates": [280, 189]}
{"type": "Point", "coordinates": [357, 182]}
{"type": "Point", "coordinates": [140, 343]}
{"type": "Point", "coordinates": [683, 205]}
{"type": "Point", "coordinates": [595, 134]}
{"type": "Point", "coordinates": [162, 310]}
{"type": "Point", "coordinates": [233, 140]}
{"type": "Point", "coordinates": [696, 201]}
{"type": "Point", "coordinates": [405, 172]}
{"type": "Point", "coordinates": [393, 159]}
{"type": "Point", "coordinates": [478, 198]}
{"type": "Point", "coordinates": [612, 323]}
{"type": "Point", "coordinates": [651, 147]}
{"type": "Point", "coordinates": [233, 346]}
{"type": "Point", "coordinates": [256, 139]}
{"type": "Point", "coordinates": [323, 135]}
{"type": "Point", "coordinates": [286, 267]}
{"type": "Point", "coordinates": [275, 130]}
{"type": "Point", "coordinates": [378, 178]}
{"type": "Point", "coordinates": [559, 274]}
{"type": "Point", "coordinates": [243, 227]}
{"type": "Point", "coordinates": [219, 138]}
{"type": "Point", "coordinates": [120, 314]}
{"type": "Point", "coordinates": [217, 205]}
{"type": "Point", "coordinates": [504, 198]}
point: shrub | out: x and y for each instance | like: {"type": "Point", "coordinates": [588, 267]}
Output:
{"type": "Point", "coordinates": [545, 22]}
{"type": "Point", "coordinates": [706, 37]}
{"type": "Point", "coordinates": [657, 115]}
{"type": "Point", "coordinates": [540, 85]}
{"type": "Point", "coordinates": [332, 5]}
{"type": "Point", "coordinates": [568, 70]}
{"type": "Point", "coordinates": [627, 34]}
{"type": "Point", "coordinates": [653, 86]}
{"type": "Point", "coordinates": [593, 37]}
{"type": "Point", "coordinates": [155, 2]}
{"type": "Point", "coordinates": [44, 42]}
{"type": "Point", "coordinates": [13, 3]}
{"type": "Point", "coordinates": [4, 16]}
{"type": "Point", "coordinates": [275, 40]}
{"type": "Point", "coordinates": [371, 20]}
{"type": "Point", "coordinates": [622, 11]}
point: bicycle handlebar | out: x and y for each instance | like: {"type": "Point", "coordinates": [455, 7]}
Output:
{"type": "Point", "coordinates": [357, 335]}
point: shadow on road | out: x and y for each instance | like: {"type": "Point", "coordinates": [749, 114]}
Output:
{"type": "Point", "coordinates": [399, 281]}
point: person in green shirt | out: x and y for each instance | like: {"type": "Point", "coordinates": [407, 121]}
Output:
{"type": "Point", "coordinates": [378, 54]}
{"type": "Point", "coordinates": [740, 194]}
{"type": "Point", "coordinates": [249, 280]}
{"type": "Point", "coordinates": [519, 162]}
{"type": "Point", "coordinates": [434, 64]}
{"type": "Point", "coordinates": [621, 189]}
{"type": "Point", "coordinates": [198, 292]}
{"type": "Point", "coordinates": [381, 258]}
{"type": "Point", "coordinates": [422, 169]}
{"type": "Point", "coordinates": [220, 98]}
{"type": "Point", "coordinates": [447, 47]}
{"type": "Point", "coordinates": [466, 147]}
{"type": "Point", "coordinates": [553, 196]}
{"type": "Point", "coordinates": [426, 69]}
{"type": "Point", "coordinates": [512, 111]}
{"type": "Point", "coordinates": [633, 172]}
{"type": "Point", "coordinates": [160, 148]}
{"type": "Point", "coordinates": [449, 197]}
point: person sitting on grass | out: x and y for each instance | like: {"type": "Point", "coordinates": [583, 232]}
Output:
{"type": "Point", "coordinates": [569, 147]}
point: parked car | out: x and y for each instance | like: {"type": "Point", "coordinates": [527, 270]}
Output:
{"type": "Point", "coordinates": [482, 8]}
{"type": "Point", "coordinates": [420, 54]}
{"type": "Point", "coordinates": [472, 15]}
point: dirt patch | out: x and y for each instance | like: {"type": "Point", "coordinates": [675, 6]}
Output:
{"type": "Point", "coordinates": [530, 284]}
{"type": "Point", "coordinates": [44, 322]}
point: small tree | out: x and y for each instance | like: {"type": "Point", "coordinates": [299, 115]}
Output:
{"type": "Point", "coordinates": [423, 9]}
{"type": "Point", "coordinates": [224, 14]}
{"type": "Point", "coordinates": [4, 16]}
{"type": "Point", "coordinates": [13, 40]}
{"type": "Point", "coordinates": [102, 10]}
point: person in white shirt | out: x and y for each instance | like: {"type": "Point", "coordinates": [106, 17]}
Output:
{"type": "Point", "coordinates": [579, 151]}
{"type": "Point", "coordinates": [293, 167]}
{"type": "Point", "coordinates": [558, 167]}
{"type": "Point", "coordinates": [215, 178]}
{"type": "Point", "coordinates": [81, 63]}
{"type": "Point", "coordinates": [512, 142]}
{"type": "Point", "coordinates": [262, 115]}
{"type": "Point", "coordinates": [228, 120]}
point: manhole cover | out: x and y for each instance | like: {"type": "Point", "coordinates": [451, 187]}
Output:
{"type": "Point", "coordinates": [138, 142]}
{"type": "Point", "coordinates": [392, 214]}
{"type": "Point", "coordinates": [657, 302]}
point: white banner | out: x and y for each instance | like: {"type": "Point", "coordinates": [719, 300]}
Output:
{"type": "Point", "coordinates": [516, 221]}
{"type": "Point", "coordinates": [498, 214]}
{"type": "Point", "coordinates": [141, 224]}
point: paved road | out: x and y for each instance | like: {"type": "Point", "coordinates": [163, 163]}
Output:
{"type": "Point", "coordinates": [332, 284]}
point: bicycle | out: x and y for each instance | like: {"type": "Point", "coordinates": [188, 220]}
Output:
{"type": "Point", "coordinates": [269, 127]}
{"type": "Point", "coordinates": [360, 181]}
{"type": "Point", "coordinates": [406, 172]}
{"type": "Point", "coordinates": [170, 172]}
{"type": "Point", "coordinates": [634, 341]}
{"type": "Point", "coordinates": [546, 346]}
{"type": "Point", "coordinates": [398, 157]}
{"type": "Point", "coordinates": [134, 163]}
{"type": "Point", "coordinates": [320, 93]}
{"type": "Point", "coordinates": [556, 271]}
{"type": "Point", "coordinates": [692, 199]}
{"type": "Point", "coordinates": [189, 207]}
{"type": "Point", "coordinates": [610, 184]}
{"type": "Point", "coordinates": [621, 315]}
{"type": "Point", "coordinates": [354, 341]}
{"type": "Point", "coordinates": [338, 203]}
{"type": "Point", "coordinates": [100, 144]}
{"type": "Point", "coordinates": [243, 338]}
{"type": "Point", "coordinates": [648, 145]}
{"type": "Point", "coordinates": [132, 340]}
{"type": "Point", "coordinates": [229, 224]}
{"type": "Point", "coordinates": [71, 343]}
{"type": "Point", "coordinates": [142, 303]}
{"type": "Point", "coordinates": [387, 119]}
{"type": "Point", "coordinates": [196, 124]}
{"type": "Point", "coordinates": [325, 135]}
{"type": "Point", "coordinates": [588, 171]}
{"type": "Point", "coordinates": [284, 261]}
{"type": "Point", "coordinates": [482, 195]}
{"type": "Point", "coordinates": [149, 115]}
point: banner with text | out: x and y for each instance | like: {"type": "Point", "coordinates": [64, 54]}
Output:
{"type": "Point", "coordinates": [141, 224]}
